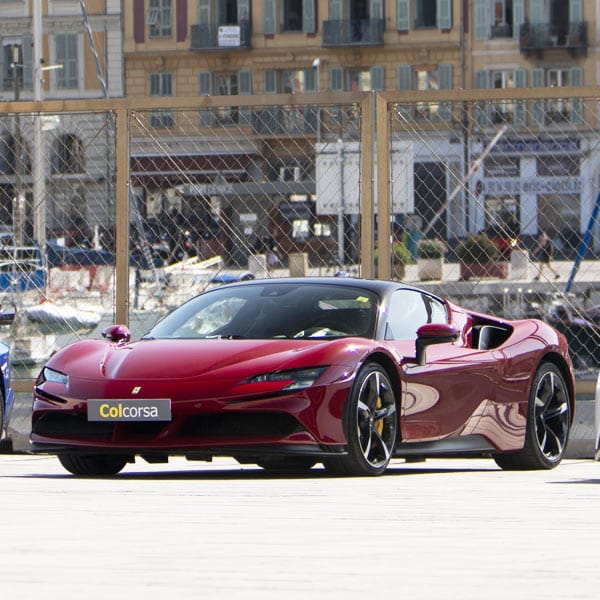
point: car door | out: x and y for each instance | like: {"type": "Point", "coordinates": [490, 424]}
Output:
{"type": "Point", "coordinates": [450, 394]}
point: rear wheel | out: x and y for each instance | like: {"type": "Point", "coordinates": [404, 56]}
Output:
{"type": "Point", "coordinates": [287, 464]}
{"type": "Point", "coordinates": [92, 464]}
{"type": "Point", "coordinates": [370, 423]}
{"type": "Point", "coordinates": [548, 421]}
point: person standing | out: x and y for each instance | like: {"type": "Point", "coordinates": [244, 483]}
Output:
{"type": "Point", "coordinates": [544, 253]}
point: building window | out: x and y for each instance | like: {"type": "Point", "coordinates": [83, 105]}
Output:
{"type": "Point", "coordinates": [12, 61]}
{"type": "Point", "coordinates": [425, 78]}
{"type": "Point", "coordinates": [66, 44]}
{"type": "Point", "coordinates": [502, 18]}
{"type": "Point", "coordinates": [225, 84]}
{"type": "Point", "coordinates": [160, 18]}
{"type": "Point", "coordinates": [68, 155]}
{"type": "Point", "coordinates": [289, 15]}
{"type": "Point", "coordinates": [502, 111]}
{"type": "Point", "coordinates": [161, 86]}
{"type": "Point", "coordinates": [425, 13]}
{"type": "Point", "coordinates": [292, 15]}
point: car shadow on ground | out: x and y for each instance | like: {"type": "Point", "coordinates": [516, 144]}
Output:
{"type": "Point", "coordinates": [249, 473]}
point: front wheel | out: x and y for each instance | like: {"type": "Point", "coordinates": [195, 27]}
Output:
{"type": "Point", "coordinates": [370, 423]}
{"type": "Point", "coordinates": [92, 464]}
{"type": "Point", "coordinates": [548, 422]}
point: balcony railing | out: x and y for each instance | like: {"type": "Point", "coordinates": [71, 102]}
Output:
{"type": "Point", "coordinates": [539, 37]}
{"type": "Point", "coordinates": [217, 37]}
{"type": "Point", "coordinates": [353, 32]}
{"type": "Point", "coordinates": [502, 30]}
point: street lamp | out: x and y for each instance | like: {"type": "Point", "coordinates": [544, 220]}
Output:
{"type": "Point", "coordinates": [317, 65]}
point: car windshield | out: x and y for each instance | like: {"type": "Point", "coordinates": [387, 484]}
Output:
{"type": "Point", "coordinates": [273, 310]}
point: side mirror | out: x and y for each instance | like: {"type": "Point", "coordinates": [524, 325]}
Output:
{"type": "Point", "coordinates": [433, 333]}
{"type": "Point", "coordinates": [116, 333]}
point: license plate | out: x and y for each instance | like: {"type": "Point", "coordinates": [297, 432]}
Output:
{"type": "Point", "coordinates": [155, 409]}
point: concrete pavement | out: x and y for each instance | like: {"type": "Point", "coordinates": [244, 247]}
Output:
{"type": "Point", "coordinates": [441, 529]}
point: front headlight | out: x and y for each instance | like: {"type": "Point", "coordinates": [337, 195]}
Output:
{"type": "Point", "coordinates": [49, 374]}
{"type": "Point", "coordinates": [298, 379]}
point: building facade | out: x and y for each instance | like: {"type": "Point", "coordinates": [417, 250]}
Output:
{"type": "Point", "coordinates": [81, 53]}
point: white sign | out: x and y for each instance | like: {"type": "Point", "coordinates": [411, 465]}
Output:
{"type": "Point", "coordinates": [539, 185]}
{"type": "Point", "coordinates": [339, 178]}
{"type": "Point", "coordinates": [205, 189]}
{"type": "Point", "coordinates": [228, 35]}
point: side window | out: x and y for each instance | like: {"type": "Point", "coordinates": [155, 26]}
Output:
{"type": "Point", "coordinates": [409, 309]}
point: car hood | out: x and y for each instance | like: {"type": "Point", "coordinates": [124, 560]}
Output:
{"type": "Point", "coordinates": [189, 359]}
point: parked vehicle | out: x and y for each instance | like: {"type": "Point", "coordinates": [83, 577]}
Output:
{"type": "Point", "coordinates": [287, 373]}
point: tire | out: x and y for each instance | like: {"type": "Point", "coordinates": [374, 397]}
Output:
{"type": "Point", "coordinates": [287, 464]}
{"type": "Point", "coordinates": [92, 464]}
{"type": "Point", "coordinates": [548, 422]}
{"type": "Point", "coordinates": [370, 424]}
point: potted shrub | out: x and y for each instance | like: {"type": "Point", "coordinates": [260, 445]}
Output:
{"type": "Point", "coordinates": [479, 257]}
{"type": "Point", "coordinates": [401, 256]}
{"type": "Point", "coordinates": [431, 259]}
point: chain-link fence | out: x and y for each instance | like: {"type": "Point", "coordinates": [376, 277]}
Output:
{"type": "Point", "coordinates": [124, 213]}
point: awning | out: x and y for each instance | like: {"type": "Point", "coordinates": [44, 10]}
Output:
{"type": "Point", "coordinates": [164, 170]}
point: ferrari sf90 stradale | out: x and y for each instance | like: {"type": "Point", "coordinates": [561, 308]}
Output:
{"type": "Point", "coordinates": [288, 373]}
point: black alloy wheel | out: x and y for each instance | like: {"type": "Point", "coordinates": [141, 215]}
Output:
{"type": "Point", "coordinates": [370, 423]}
{"type": "Point", "coordinates": [548, 423]}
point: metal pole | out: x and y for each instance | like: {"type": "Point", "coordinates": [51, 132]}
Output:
{"type": "Point", "coordinates": [340, 228]}
{"type": "Point", "coordinates": [19, 195]}
{"type": "Point", "coordinates": [39, 187]}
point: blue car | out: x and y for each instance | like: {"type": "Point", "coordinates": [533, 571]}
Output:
{"type": "Point", "coordinates": [6, 394]}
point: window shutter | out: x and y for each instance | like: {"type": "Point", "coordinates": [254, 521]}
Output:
{"type": "Point", "coordinates": [27, 50]}
{"type": "Point", "coordinates": [245, 82]}
{"type": "Point", "coordinates": [402, 15]}
{"type": "Point", "coordinates": [243, 10]}
{"type": "Point", "coordinates": [205, 81]}
{"type": "Point", "coordinates": [405, 82]}
{"type": "Point", "coordinates": [269, 17]}
{"type": "Point", "coordinates": [482, 81]}
{"type": "Point", "coordinates": [336, 75]}
{"type": "Point", "coordinates": [203, 12]}
{"type": "Point", "coordinates": [311, 112]}
{"type": "Point", "coordinates": [445, 82]}
{"type": "Point", "coordinates": [520, 76]}
{"type": "Point", "coordinates": [536, 11]}
{"type": "Point", "coordinates": [376, 9]}
{"type": "Point", "coordinates": [245, 89]}
{"type": "Point", "coordinates": [310, 80]}
{"type": "Point", "coordinates": [271, 81]}
{"type": "Point", "coordinates": [308, 16]}
{"type": "Point", "coordinates": [336, 11]}
{"type": "Point", "coordinates": [575, 11]}
{"type": "Point", "coordinates": [181, 25]}
{"type": "Point", "coordinates": [377, 79]}
{"type": "Point", "coordinates": [139, 22]}
{"type": "Point", "coordinates": [576, 113]}
{"type": "Point", "coordinates": [444, 14]}
{"type": "Point", "coordinates": [537, 107]}
{"type": "Point", "coordinates": [518, 17]}
{"type": "Point", "coordinates": [482, 22]}
{"type": "Point", "coordinates": [205, 89]}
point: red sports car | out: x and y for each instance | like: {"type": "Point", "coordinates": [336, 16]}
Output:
{"type": "Point", "coordinates": [287, 373]}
